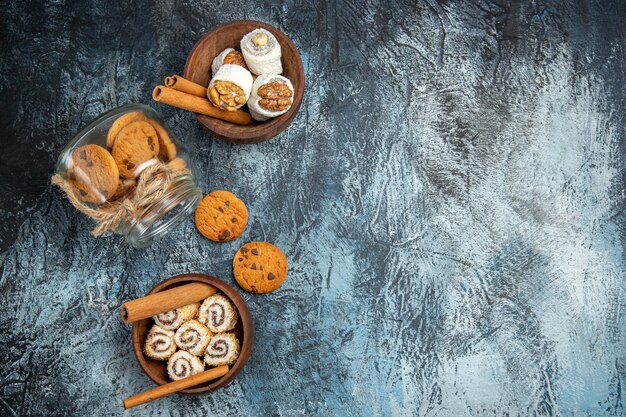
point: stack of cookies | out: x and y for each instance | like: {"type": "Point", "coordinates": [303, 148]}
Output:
{"type": "Point", "coordinates": [259, 267]}
{"type": "Point", "coordinates": [100, 174]}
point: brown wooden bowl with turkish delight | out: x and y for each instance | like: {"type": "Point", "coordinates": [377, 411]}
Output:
{"type": "Point", "coordinates": [253, 66]}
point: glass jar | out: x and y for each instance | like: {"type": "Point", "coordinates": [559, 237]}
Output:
{"type": "Point", "coordinates": [129, 172]}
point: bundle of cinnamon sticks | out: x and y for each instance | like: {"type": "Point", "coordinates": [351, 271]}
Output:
{"type": "Point", "coordinates": [184, 94]}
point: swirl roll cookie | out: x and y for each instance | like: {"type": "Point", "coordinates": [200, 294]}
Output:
{"type": "Point", "coordinates": [228, 56]}
{"type": "Point", "coordinates": [173, 319]}
{"type": "Point", "coordinates": [230, 87]}
{"type": "Point", "coordinates": [262, 52]}
{"type": "Point", "coordinates": [218, 314]}
{"type": "Point", "coordinates": [159, 343]}
{"type": "Point", "coordinates": [183, 364]}
{"type": "Point", "coordinates": [223, 349]}
{"type": "Point", "coordinates": [271, 96]}
{"type": "Point", "coordinates": [193, 337]}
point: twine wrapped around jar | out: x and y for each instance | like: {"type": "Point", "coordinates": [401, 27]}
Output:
{"type": "Point", "coordinates": [153, 182]}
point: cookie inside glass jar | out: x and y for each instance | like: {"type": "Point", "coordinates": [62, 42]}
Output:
{"type": "Point", "coordinates": [141, 195]}
{"type": "Point", "coordinates": [99, 174]}
{"type": "Point", "coordinates": [93, 174]}
{"type": "Point", "coordinates": [135, 147]}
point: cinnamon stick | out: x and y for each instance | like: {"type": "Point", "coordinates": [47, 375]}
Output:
{"type": "Point", "coordinates": [167, 300]}
{"type": "Point", "coordinates": [199, 105]}
{"type": "Point", "coordinates": [176, 386]}
{"type": "Point", "coordinates": [182, 84]}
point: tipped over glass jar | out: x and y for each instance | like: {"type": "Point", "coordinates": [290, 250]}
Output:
{"type": "Point", "coordinates": [128, 172]}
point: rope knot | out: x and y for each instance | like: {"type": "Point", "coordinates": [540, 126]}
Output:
{"type": "Point", "coordinates": [153, 182]}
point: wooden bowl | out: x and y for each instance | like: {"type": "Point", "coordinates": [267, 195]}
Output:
{"type": "Point", "coordinates": [228, 35]}
{"type": "Point", "coordinates": [244, 330]}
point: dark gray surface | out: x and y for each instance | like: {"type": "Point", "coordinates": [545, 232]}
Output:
{"type": "Point", "coordinates": [450, 198]}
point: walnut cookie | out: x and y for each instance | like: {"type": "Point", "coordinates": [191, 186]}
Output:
{"type": "Point", "coordinates": [275, 96]}
{"type": "Point", "coordinates": [259, 267]}
{"type": "Point", "coordinates": [226, 95]}
{"type": "Point", "coordinates": [221, 216]}
{"type": "Point", "coordinates": [135, 145]}
{"type": "Point", "coordinates": [94, 175]}
{"type": "Point", "coordinates": [235, 57]}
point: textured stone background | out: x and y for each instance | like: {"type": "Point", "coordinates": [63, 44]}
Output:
{"type": "Point", "coordinates": [450, 198]}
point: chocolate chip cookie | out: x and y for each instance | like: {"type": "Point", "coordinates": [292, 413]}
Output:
{"type": "Point", "coordinates": [136, 144]}
{"type": "Point", "coordinates": [221, 216]}
{"type": "Point", "coordinates": [259, 267]}
{"type": "Point", "coordinates": [167, 149]}
{"type": "Point", "coordinates": [120, 123]}
{"type": "Point", "coordinates": [93, 174]}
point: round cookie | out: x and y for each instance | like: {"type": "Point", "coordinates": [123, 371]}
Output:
{"type": "Point", "coordinates": [124, 187]}
{"type": "Point", "coordinates": [135, 145]}
{"type": "Point", "coordinates": [167, 149]}
{"type": "Point", "coordinates": [177, 164]}
{"type": "Point", "coordinates": [120, 123]}
{"type": "Point", "coordinates": [259, 267]}
{"type": "Point", "coordinates": [94, 174]}
{"type": "Point", "coordinates": [221, 216]}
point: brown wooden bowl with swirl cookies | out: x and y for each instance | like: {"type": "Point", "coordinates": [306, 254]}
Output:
{"type": "Point", "coordinates": [244, 331]}
{"type": "Point", "coordinates": [228, 35]}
